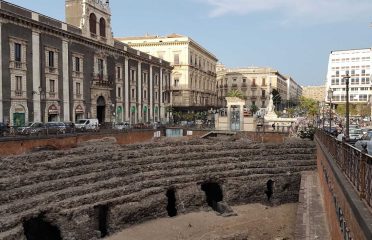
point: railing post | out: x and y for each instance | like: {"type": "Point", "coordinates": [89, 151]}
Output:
{"type": "Point", "coordinates": [362, 168]}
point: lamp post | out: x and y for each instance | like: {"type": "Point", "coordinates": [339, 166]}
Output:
{"type": "Point", "coordinates": [346, 78]}
{"type": "Point", "coordinates": [330, 95]}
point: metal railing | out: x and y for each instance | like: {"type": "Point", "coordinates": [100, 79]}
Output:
{"type": "Point", "coordinates": [354, 163]}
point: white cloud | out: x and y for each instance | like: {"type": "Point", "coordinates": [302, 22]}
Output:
{"type": "Point", "coordinates": [294, 10]}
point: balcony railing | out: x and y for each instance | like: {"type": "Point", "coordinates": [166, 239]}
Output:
{"type": "Point", "coordinates": [355, 164]}
{"type": "Point", "coordinates": [52, 94]}
{"type": "Point", "coordinates": [17, 65]}
{"type": "Point", "coordinates": [101, 80]}
{"type": "Point", "coordinates": [18, 93]}
{"type": "Point", "coordinates": [76, 74]}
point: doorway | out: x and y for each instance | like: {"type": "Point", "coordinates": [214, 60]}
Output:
{"type": "Point", "coordinates": [39, 229]}
{"type": "Point", "coordinates": [213, 193]}
{"type": "Point", "coordinates": [101, 108]}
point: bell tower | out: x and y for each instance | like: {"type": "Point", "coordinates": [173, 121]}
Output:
{"type": "Point", "coordinates": [93, 17]}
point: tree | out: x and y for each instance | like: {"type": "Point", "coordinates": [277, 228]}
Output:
{"type": "Point", "coordinates": [253, 108]}
{"type": "Point", "coordinates": [235, 93]}
{"type": "Point", "coordinates": [309, 106]}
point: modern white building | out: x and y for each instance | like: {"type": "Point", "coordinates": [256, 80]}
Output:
{"type": "Point", "coordinates": [355, 63]}
{"type": "Point", "coordinates": [193, 82]}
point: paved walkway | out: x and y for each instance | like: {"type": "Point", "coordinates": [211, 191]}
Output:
{"type": "Point", "coordinates": [311, 216]}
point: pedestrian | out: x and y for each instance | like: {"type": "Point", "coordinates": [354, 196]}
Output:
{"type": "Point", "coordinates": [273, 126]}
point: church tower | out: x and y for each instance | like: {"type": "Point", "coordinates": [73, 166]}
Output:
{"type": "Point", "coordinates": [93, 17]}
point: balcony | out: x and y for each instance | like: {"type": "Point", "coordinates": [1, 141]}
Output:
{"type": "Point", "coordinates": [253, 86]}
{"type": "Point", "coordinates": [78, 96]}
{"type": "Point", "coordinates": [101, 80]}
{"type": "Point", "coordinates": [17, 65]}
{"type": "Point", "coordinates": [263, 97]}
{"type": "Point", "coordinates": [51, 70]}
{"type": "Point", "coordinates": [76, 74]}
{"type": "Point", "coordinates": [234, 85]}
{"type": "Point", "coordinates": [244, 86]}
{"type": "Point", "coordinates": [18, 93]}
{"type": "Point", "coordinates": [93, 35]}
{"type": "Point", "coordinates": [52, 94]}
{"type": "Point", "coordinates": [253, 98]}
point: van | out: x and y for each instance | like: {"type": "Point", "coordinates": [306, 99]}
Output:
{"type": "Point", "coordinates": [87, 124]}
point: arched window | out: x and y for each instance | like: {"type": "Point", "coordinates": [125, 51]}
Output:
{"type": "Point", "coordinates": [102, 27]}
{"type": "Point", "coordinates": [92, 23]}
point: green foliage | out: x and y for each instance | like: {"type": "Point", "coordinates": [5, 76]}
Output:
{"type": "Point", "coordinates": [277, 99]}
{"type": "Point", "coordinates": [235, 93]}
{"type": "Point", "coordinates": [253, 109]}
{"type": "Point", "coordinates": [354, 110]}
{"type": "Point", "coordinates": [309, 106]}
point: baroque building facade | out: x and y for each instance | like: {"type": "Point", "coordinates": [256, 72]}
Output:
{"type": "Point", "coordinates": [256, 84]}
{"type": "Point", "coordinates": [194, 69]}
{"type": "Point", "coordinates": [65, 71]}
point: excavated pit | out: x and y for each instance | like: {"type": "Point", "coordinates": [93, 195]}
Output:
{"type": "Point", "coordinates": [100, 187]}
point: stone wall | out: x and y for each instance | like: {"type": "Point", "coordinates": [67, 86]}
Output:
{"type": "Point", "coordinates": [101, 187]}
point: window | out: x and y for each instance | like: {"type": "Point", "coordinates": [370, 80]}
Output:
{"type": "Point", "coordinates": [263, 104]}
{"type": "Point", "coordinates": [176, 59]}
{"type": "Point", "coordinates": [263, 93]}
{"type": "Point", "coordinates": [77, 64]}
{"type": "Point", "coordinates": [352, 72]}
{"type": "Point", "coordinates": [234, 79]}
{"type": "Point", "coordinates": [78, 88]}
{"type": "Point", "coordinates": [263, 81]}
{"type": "Point", "coordinates": [93, 23]}
{"type": "Point", "coordinates": [156, 96]}
{"type": "Point", "coordinates": [133, 75]}
{"type": "Point", "coordinates": [347, 72]}
{"type": "Point", "coordinates": [100, 67]}
{"type": "Point", "coordinates": [144, 94]}
{"type": "Point", "coordinates": [118, 74]}
{"type": "Point", "coordinates": [51, 86]}
{"type": "Point", "coordinates": [18, 84]}
{"type": "Point", "coordinates": [176, 82]}
{"type": "Point", "coordinates": [102, 27]}
{"type": "Point", "coordinates": [253, 82]}
{"type": "Point", "coordinates": [17, 52]}
{"type": "Point", "coordinates": [253, 102]}
{"type": "Point", "coordinates": [133, 94]}
{"type": "Point", "coordinates": [337, 73]}
{"type": "Point", "coordinates": [51, 59]}
{"type": "Point", "coordinates": [363, 71]}
{"type": "Point", "coordinates": [119, 92]}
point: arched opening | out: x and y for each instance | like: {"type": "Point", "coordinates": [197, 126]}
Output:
{"type": "Point", "coordinates": [171, 206]}
{"type": "Point", "coordinates": [93, 23]}
{"type": "Point", "coordinates": [53, 113]}
{"type": "Point", "coordinates": [39, 229]}
{"type": "Point", "coordinates": [102, 27]}
{"type": "Point", "coordinates": [213, 193]}
{"type": "Point", "coordinates": [101, 107]}
{"type": "Point", "coordinates": [102, 213]}
{"type": "Point", "coordinates": [269, 189]}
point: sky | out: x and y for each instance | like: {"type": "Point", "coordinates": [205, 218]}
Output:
{"type": "Point", "coordinates": [294, 37]}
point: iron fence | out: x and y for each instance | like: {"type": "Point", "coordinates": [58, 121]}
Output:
{"type": "Point", "coordinates": [354, 163]}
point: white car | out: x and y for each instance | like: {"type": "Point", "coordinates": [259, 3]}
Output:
{"type": "Point", "coordinates": [87, 124]}
{"type": "Point", "coordinates": [121, 126]}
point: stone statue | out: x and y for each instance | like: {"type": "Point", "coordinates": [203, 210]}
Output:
{"type": "Point", "coordinates": [271, 107]}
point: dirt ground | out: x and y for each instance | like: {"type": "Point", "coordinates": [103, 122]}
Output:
{"type": "Point", "coordinates": [254, 222]}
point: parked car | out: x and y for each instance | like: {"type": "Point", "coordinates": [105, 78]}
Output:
{"type": "Point", "coordinates": [365, 141]}
{"type": "Point", "coordinates": [121, 126]}
{"type": "Point", "coordinates": [355, 134]}
{"type": "Point", "coordinates": [87, 124]}
{"type": "Point", "coordinates": [33, 128]}
{"type": "Point", "coordinates": [70, 127]}
{"type": "Point", "coordinates": [55, 128]}
{"type": "Point", "coordinates": [4, 130]}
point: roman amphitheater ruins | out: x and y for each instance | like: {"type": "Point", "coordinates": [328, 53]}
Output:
{"type": "Point", "coordinates": [99, 188]}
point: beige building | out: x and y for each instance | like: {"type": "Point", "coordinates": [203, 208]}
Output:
{"type": "Point", "coordinates": [294, 90]}
{"type": "Point", "coordinates": [193, 82]}
{"type": "Point", "coordinates": [256, 84]}
{"type": "Point", "coordinates": [315, 92]}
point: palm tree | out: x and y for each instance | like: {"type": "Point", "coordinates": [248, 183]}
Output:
{"type": "Point", "coordinates": [235, 93]}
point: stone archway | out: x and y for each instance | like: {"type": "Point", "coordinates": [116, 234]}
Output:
{"type": "Point", "coordinates": [39, 229]}
{"type": "Point", "coordinates": [101, 109]}
{"type": "Point", "coordinates": [18, 115]}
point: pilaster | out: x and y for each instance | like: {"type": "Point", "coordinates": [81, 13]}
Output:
{"type": "Point", "coordinates": [139, 87]}
{"type": "Point", "coordinates": [65, 77]}
{"type": "Point", "coordinates": [1, 78]}
{"type": "Point", "coordinates": [127, 90]}
{"type": "Point", "coordinates": [161, 103]}
{"type": "Point", "coordinates": [36, 81]}
{"type": "Point", "coordinates": [151, 96]}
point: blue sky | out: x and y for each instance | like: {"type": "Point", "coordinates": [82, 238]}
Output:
{"type": "Point", "coordinates": [292, 36]}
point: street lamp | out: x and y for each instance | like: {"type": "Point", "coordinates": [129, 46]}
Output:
{"type": "Point", "coordinates": [330, 95]}
{"type": "Point", "coordinates": [346, 78]}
